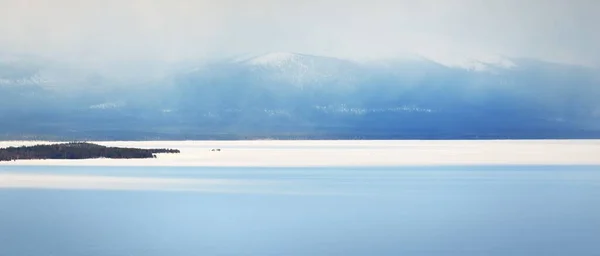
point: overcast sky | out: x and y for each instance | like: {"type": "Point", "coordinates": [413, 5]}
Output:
{"type": "Point", "coordinates": [447, 30]}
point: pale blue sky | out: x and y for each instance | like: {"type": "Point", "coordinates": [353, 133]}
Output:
{"type": "Point", "coordinates": [446, 30]}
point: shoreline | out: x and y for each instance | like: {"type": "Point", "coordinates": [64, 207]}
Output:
{"type": "Point", "coordinates": [342, 153]}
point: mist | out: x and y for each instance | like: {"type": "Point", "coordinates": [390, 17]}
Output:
{"type": "Point", "coordinates": [450, 32]}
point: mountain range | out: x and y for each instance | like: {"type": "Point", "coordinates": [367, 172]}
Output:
{"type": "Point", "coordinates": [284, 95]}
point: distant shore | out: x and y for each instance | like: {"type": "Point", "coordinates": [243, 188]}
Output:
{"type": "Point", "coordinates": [76, 150]}
{"type": "Point", "coordinates": [275, 153]}
{"type": "Point", "coordinates": [304, 153]}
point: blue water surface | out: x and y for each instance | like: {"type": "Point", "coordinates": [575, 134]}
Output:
{"type": "Point", "coordinates": [435, 210]}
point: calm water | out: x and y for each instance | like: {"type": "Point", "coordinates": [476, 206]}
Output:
{"type": "Point", "coordinates": [494, 210]}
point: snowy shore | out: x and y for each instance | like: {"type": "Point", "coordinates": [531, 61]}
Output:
{"type": "Point", "coordinates": [274, 153]}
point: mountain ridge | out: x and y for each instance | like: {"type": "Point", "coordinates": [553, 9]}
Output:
{"type": "Point", "coordinates": [279, 94]}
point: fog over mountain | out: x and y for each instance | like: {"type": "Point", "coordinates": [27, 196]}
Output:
{"type": "Point", "coordinates": [91, 33]}
{"type": "Point", "coordinates": [179, 69]}
{"type": "Point", "coordinates": [292, 95]}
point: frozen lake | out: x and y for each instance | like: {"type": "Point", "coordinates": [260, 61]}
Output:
{"type": "Point", "coordinates": [420, 210]}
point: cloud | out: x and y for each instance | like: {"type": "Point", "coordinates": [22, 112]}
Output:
{"type": "Point", "coordinates": [558, 30]}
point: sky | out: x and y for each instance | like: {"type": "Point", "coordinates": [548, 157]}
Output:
{"type": "Point", "coordinates": [175, 30]}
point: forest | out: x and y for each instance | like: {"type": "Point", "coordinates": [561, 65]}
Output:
{"type": "Point", "coordinates": [77, 150]}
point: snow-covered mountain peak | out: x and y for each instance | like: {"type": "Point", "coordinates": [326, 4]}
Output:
{"type": "Point", "coordinates": [486, 63]}
{"type": "Point", "coordinates": [473, 62]}
{"type": "Point", "coordinates": [275, 59]}
{"type": "Point", "coordinates": [298, 69]}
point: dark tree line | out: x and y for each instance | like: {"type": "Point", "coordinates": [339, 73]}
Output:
{"type": "Point", "coordinates": [77, 150]}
